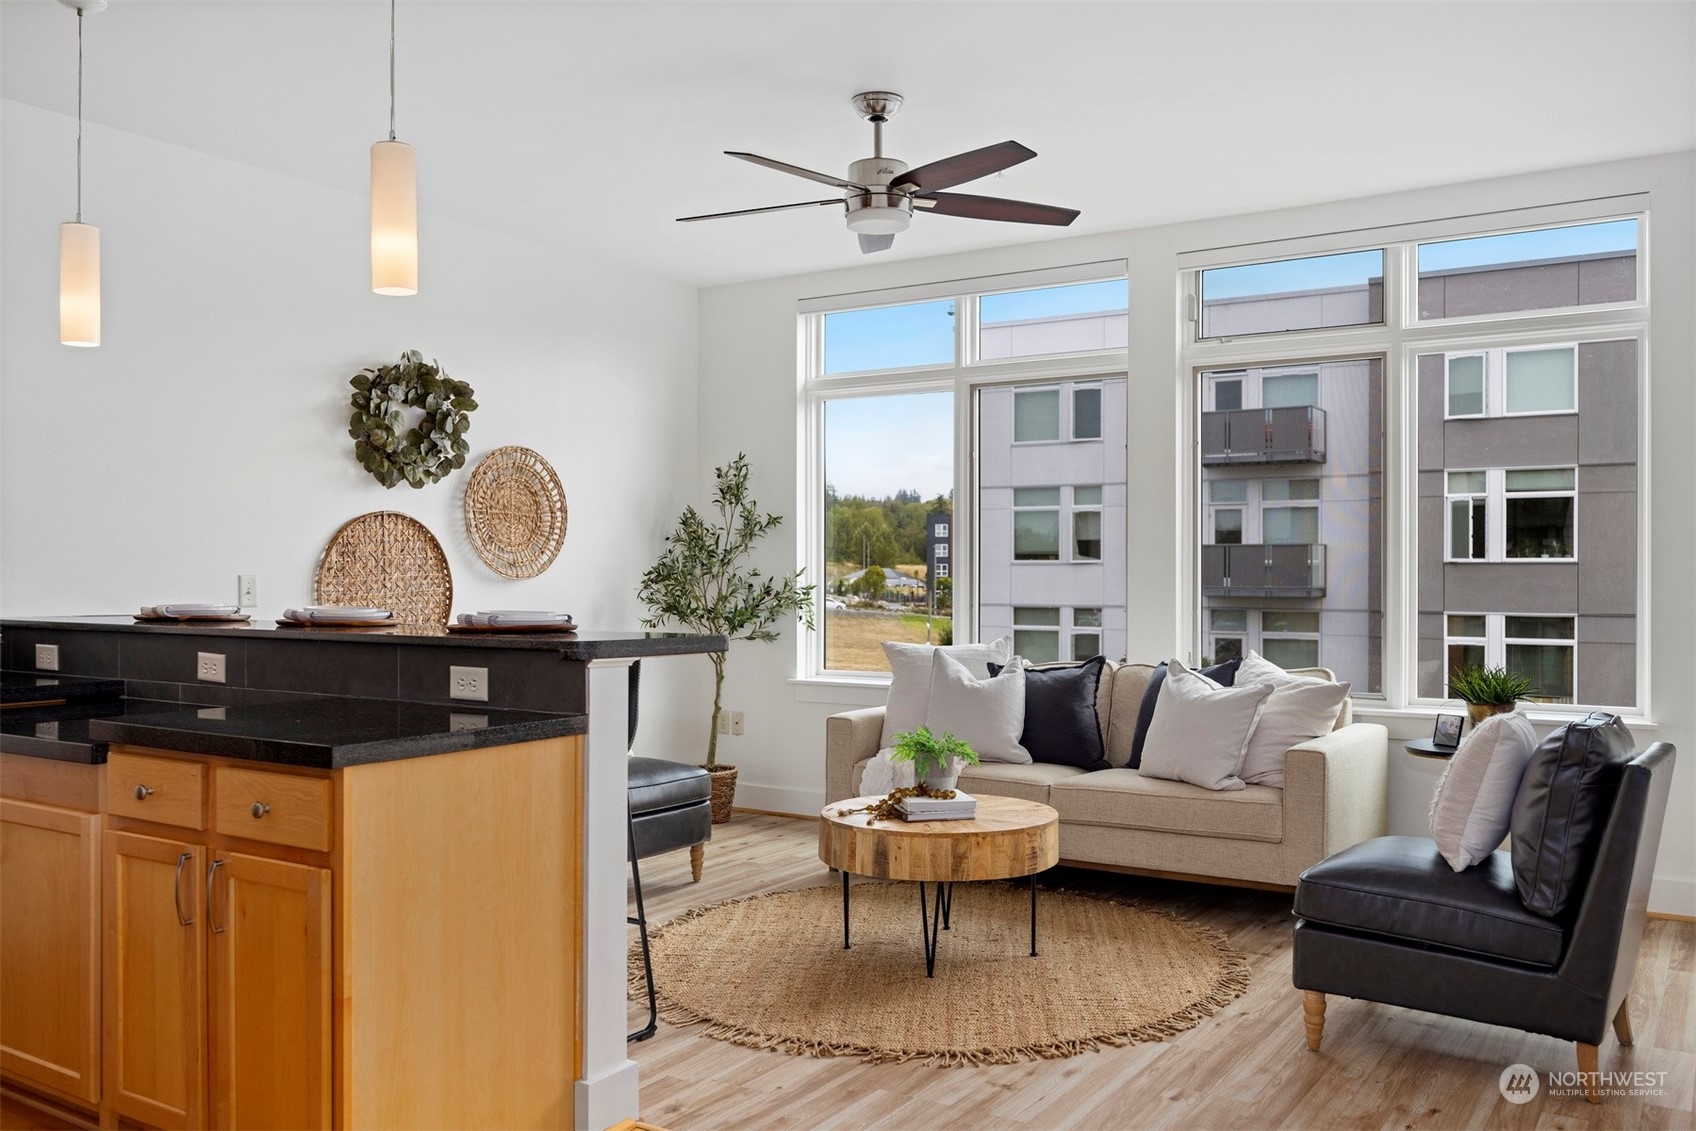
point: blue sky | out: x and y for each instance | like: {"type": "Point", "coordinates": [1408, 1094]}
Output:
{"type": "Point", "coordinates": [876, 446]}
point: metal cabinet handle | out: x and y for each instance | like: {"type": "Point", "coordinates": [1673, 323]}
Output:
{"type": "Point", "coordinates": [142, 792]}
{"type": "Point", "coordinates": [210, 906]}
{"type": "Point", "coordinates": [177, 893]}
{"type": "Point", "coordinates": [259, 809]}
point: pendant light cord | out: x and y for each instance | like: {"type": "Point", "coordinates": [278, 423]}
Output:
{"type": "Point", "coordinates": [79, 115]}
{"type": "Point", "coordinates": [391, 70]}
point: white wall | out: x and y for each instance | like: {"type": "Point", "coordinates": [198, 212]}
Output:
{"type": "Point", "coordinates": [208, 437]}
{"type": "Point", "coordinates": [748, 399]}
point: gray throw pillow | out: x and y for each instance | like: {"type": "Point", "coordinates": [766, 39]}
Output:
{"type": "Point", "coordinates": [987, 714]}
{"type": "Point", "coordinates": [1200, 730]}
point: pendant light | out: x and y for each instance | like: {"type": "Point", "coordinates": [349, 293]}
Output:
{"type": "Point", "coordinates": [79, 243]}
{"type": "Point", "coordinates": [394, 202]}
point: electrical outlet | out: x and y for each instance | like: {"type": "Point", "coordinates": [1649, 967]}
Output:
{"type": "Point", "coordinates": [209, 666]}
{"type": "Point", "coordinates": [47, 730]}
{"type": "Point", "coordinates": [736, 722]}
{"type": "Point", "coordinates": [458, 722]}
{"type": "Point", "coordinates": [724, 722]}
{"type": "Point", "coordinates": [468, 683]}
{"type": "Point", "coordinates": [247, 590]}
{"type": "Point", "coordinates": [47, 657]}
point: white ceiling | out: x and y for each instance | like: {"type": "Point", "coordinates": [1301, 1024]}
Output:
{"type": "Point", "coordinates": [590, 126]}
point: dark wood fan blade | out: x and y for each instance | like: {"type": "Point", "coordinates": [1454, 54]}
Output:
{"type": "Point", "coordinates": [994, 208]}
{"type": "Point", "coordinates": [796, 170]}
{"type": "Point", "coordinates": [963, 167]}
{"type": "Point", "coordinates": [753, 211]}
{"type": "Point", "coordinates": [869, 244]}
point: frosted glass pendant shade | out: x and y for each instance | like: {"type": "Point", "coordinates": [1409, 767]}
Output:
{"type": "Point", "coordinates": [394, 218]}
{"type": "Point", "coordinates": [79, 284]}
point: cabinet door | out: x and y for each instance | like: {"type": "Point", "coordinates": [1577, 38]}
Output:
{"type": "Point", "coordinates": [155, 959]}
{"type": "Point", "coordinates": [50, 947]}
{"type": "Point", "coordinates": [269, 923]}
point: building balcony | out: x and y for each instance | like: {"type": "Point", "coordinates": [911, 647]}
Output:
{"type": "Point", "coordinates": [1263, 571]}
{"type": "Point", "coordinates": [1263, 435]}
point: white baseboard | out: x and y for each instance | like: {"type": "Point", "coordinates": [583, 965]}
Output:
{"type": "Point", "coordinates": [1670, 895]}
{"type": "Point", "coordinates": [776, 799]}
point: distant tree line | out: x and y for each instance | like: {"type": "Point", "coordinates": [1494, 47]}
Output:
{"type": "Point", "coordinates": [882, 532]}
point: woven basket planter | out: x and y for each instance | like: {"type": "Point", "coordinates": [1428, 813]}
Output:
{"type": "Point", "coordinates": [724, 791]}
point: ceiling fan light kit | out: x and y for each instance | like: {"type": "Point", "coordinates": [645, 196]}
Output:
{"type": "Point", "coordinates": [882, 192]}
{"type": "Point", "coordinates": [79, 243]}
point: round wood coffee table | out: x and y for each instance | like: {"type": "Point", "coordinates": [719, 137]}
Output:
{"type": "Point", "coordinates": [1008, 838]}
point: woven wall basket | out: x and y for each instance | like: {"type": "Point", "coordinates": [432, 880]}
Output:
{"type": "Point", "coordinates": [389, 560]}
{"type": "Point", "coordinates": [515, 512]}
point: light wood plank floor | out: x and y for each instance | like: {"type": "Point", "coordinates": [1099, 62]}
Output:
{"type": "Point", "coordinates": [1246, 1067]}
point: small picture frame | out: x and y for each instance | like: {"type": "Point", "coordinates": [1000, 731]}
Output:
{"type": "Point", "coordinates": [1447, 731]}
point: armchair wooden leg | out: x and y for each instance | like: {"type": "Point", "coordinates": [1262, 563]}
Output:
{"type": "Point", "coordinates": [1313, 1012]}
{"type": "Point", "coordinates": [1622, 1022]}
{"type": "Point", "coordinates": [1589, 1076]}
{"type": "Point", "coordinates": [697, 857]}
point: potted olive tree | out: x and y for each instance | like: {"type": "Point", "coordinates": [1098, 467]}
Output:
{"type": "Point", "coordinates": [1487, 691]}
{"type": "Point", "coordinates": [702, 583]}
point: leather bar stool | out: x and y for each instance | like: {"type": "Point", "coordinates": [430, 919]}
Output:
{"type": "Point", "coordinates": [670, 808]}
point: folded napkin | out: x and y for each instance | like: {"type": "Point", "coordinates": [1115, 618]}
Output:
{"type": "Point", "coordinates": [313, 613]}
{"type": "Point", "coordinates": [514, 618]}
{"type": "Point", "coordinates": [186, 610]}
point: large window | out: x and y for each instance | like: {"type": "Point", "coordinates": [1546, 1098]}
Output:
{"type": "Point", "coordinates": [1571, 266]}
{"type": "Point", "coordinates": [1293, 294]}
{"type": "Point", "coordinates": [1025, 374]}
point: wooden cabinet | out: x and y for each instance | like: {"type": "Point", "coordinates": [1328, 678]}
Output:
{"type": "Point", "coordinates": [50, 947]}
{"type": "Point", "coordinates": [155, 980]}
{"type": "Point", "coordinates": [269, 993]}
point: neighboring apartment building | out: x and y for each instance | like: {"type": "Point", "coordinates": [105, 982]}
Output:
{"type": "Point", "coordinates": [1527, 481]}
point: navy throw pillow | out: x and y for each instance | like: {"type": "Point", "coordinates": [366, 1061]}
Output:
{"type": "Point", "coordinates": [1225, 675]}
{"type": "Point", "coordinates": [1061, 725]}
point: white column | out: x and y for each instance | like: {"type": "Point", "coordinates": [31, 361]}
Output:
{"type": "Point", "coordinates": [607, 1091]}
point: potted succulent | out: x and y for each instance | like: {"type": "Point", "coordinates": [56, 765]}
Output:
{"type": "Point", "coordinates": [1487, 691]}
{"type": "Point", "coordinates": [702, 583]}
{"type": "Point", "coordinates": [937, 762]}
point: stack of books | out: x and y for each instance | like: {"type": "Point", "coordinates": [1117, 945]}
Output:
{"type": "Point", "coordinates": [960, 807]}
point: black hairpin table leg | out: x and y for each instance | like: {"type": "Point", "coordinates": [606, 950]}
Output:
{"type": "Point", "coordinates": [845, 909]}
{"type": "Point", "coordinates": [930, 923]}
{"type": "Point", "coordinates": [1033, 914]}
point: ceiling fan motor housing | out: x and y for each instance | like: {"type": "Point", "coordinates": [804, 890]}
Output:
{"type": "Point", "coordinates": [878, 213]}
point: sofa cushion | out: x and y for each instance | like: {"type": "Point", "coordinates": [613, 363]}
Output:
{"type": "Point", "coordinates": [1300, 708]}
{"type": "Point", "coordinates": [1201, 730]}
{"type": "Point", "coordinates": [1563, 804]}
{"type": "Point", "coordinates": [1003, 779]}
{"type": "Point", "coordinates": [1222, 674]}
{"type": "Point", "coordinates": [1061, 725]}
{"type": "Point", "coordinates": [1402, 887]}
{"type": "Point", "coordinates": [1130, 683]}
{"type": "Point", "coordinates": [1124, 798]}
{"type": "Point", "coordinates": [909, 684]}
{"type": "Point", "coordinates": [1103, 690]}
{"type": "Point", "coordinates": [987, 714]}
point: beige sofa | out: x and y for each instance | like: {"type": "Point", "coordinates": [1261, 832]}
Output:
{"type": "Point", "coordinates": [1334, 795]}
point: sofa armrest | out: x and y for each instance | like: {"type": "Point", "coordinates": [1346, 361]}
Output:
{"type": "Point", "coordinates": [1336, 790]}
{"type": "Point", "coordinates": [849, 739]}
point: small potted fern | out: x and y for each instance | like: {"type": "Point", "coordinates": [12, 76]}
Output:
{"type": "Point", "coordinates": [1488, 691]}
{"type": "Point", "coordinates": [937, 761]}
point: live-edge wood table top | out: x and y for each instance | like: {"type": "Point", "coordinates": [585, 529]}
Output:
{"type": "Point", "coordinates": [1009, 837]}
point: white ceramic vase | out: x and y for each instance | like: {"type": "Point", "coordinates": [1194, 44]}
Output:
{"type": "Point", "coordinates": [947, 777]}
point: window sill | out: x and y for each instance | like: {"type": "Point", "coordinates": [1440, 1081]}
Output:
{"type": "Point", "coordinates": [848, 691]}
{"type": "Point", "coordinates": [1372, 711]}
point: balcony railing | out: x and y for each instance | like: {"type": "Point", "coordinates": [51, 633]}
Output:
{"type": "Point", "coordinates": [1263, 571]}
{"type": "Point", "coordinates": [1263, 435]}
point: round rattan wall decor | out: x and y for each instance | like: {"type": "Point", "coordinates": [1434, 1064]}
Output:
{"type": "Point", "coordinates": [515, 512]}
{"type": "Point", "coordinates": [389, 560]}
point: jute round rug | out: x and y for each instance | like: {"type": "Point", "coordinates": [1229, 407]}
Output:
{"type": "Point", "coordinates": [770, 972]}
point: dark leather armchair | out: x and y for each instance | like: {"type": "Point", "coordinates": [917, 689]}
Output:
{"type": "Point", "coordinates": [1388, 921]}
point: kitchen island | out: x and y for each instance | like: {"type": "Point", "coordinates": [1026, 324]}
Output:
{"type": "Point", "coordinates": [401, 909]}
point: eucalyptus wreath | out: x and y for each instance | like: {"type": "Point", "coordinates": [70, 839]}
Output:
{"type": "Point", "coordinates": [385, 446]}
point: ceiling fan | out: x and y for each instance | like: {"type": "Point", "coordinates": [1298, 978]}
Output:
{"type": "Point", "coordinates": [881, 193]}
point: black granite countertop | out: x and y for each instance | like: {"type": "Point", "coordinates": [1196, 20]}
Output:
{"type": "Point", "coordinates": [584, 644]}
{"type": "Point", "coordinates": [331, 733]}
{"type": "Point", "coordinates": [61, 732]}
{"type": "Point", "coordinates": [38, 687]}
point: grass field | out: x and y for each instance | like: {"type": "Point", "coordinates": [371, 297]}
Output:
{"type": "Point", "coordinates": [853, 640]}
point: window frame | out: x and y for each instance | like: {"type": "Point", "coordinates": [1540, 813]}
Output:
{"type": "Point", "coordinates": [1509, 496]}
{"type": "Point", "coordinates": [1483, 412]}
{"type": "Point", "coordinates": [1575, 217]}
{"type": "Point", "coordinates": [1496, 641]}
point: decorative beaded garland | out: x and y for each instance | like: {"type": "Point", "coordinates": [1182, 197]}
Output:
{"type": "Point", "coordinates": [889, 809]}
{"type": "Point", "coordinates": [428, 451]}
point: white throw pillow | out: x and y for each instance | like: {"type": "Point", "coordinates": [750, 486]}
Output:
{"type": "Point", "coordinates": [1473, 807]}
{"type": "Point", "coordinates": [1301, 707]}
{"type": "Point", "coordinates": [909, 687]}
{"type": "Point", "coordinates": [1200, 730]}
{"type": "Point", "coordinates": [986, 714]}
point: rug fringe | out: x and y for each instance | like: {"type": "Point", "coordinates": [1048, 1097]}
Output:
{"type": "Point", "coordinates": [1233, 982]}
